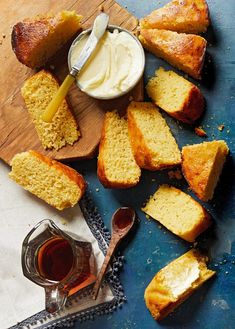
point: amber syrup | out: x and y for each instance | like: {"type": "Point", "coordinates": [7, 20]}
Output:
{"type": "Point", "coordinates": [55, 260]}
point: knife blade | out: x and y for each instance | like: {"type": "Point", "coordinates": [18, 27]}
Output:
{"type": "Point", "coordinates": [99, 28]}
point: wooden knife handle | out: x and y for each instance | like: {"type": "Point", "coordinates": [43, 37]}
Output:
{"type": "Point", "coordinates": [113, 244]}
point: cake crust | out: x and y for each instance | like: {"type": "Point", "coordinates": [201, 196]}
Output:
{"type": "Point", "coordinates": [188, 16]}
{"type": "Point", "coordinates": [23, 43]}
{"type": "Point", "coordinates": [192, 108]}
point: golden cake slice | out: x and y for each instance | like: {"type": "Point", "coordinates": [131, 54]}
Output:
{"type": "Point", "coordinates": [116, 167]}
{"type": "Point", "coordinates": [178, 212]}
{"type": "Point", "coordinates": [177, 96]}
{"type": "Point", "coordinates": [36, 39]}
{"type": "Point", "coordinates": [58, 185]}
{"type": "Point", "coordinates": [184, 51]}
{"type": "Point", "coordinates": [202, 165]}
{"type": "Point", "coordinates": [189, 16]}
{"type": "Point", "coordinates": [37, 92]}
{"type": "Point", "coordinates": [174, 283]}
{"type": "Point", "coordinates": [152, 143]}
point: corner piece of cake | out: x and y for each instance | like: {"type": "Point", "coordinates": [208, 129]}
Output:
{"type": "Point", "coordinates": [36, 39]}
{"type": "Point", "coordinates": [178, 212]}
{"type": "Point", "coordinates": [202, 166]}
{"type": "Point", "coordinates": [174, 283]}
{"type": "Point", "coordinates": [183, 51]}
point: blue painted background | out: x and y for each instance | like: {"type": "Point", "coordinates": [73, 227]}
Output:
{"type": "Point", "coordinates": [150, 247]}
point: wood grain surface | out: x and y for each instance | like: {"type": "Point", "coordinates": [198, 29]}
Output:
{"type": "Point", "coordinates": [17, 133]}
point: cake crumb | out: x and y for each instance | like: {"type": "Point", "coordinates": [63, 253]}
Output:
{"type": "Point", "coordinates": [175, 174]}
{"type": "Point", "coordinates": [221, 127]}
{"type": "Point", "coordinates": [147, 216]}
{"type": "Point", "coordinates": [97, 189]}
{"type": "Point", "coordinates": [131, 98]}
{"type": "Point", "coordinates": [200, 132]}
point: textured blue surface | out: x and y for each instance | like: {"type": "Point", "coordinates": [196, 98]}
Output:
{"type": "Point", "coordinates": [150, 248]}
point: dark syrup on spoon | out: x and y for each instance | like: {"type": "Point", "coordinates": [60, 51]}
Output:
{"type": "Point", "coordinates": [123, 218]}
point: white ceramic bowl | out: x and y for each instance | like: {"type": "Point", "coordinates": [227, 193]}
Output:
{"type": "Point", "coordinates": [111, 28]}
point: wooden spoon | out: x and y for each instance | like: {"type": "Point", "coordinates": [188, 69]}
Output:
{"type": "Point", "coordinates": [122, 221]}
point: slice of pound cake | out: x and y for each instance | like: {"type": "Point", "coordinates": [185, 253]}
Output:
{"type": "Point", "coordinates": [117, 167]}
{"type": "Point", "coordinates": [177, 96]}
{"type": "Point", "coordinates": [58, 185]}
{"type": "Point", "coordinates": [202, 165]}
{"type": "Point", "coordinates": [36, 39]}
{"type": "Point", "coordinates": [152, 143]}
{"type": "Point", "coordinates": [174, 283]}
{"type": "Point", "coordinates": [184, 51]}
{"type": "Point", "coordinates": [178, 212]}
{"type": "Point", "coordinates": [37, 92]}
{"type": "Point", "coordinates": [189, 16]}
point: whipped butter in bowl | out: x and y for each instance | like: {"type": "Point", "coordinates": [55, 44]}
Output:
{"type": "Point", "coordinates": [114, 68]}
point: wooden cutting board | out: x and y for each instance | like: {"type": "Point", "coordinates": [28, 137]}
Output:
{"type": "Point", "coordinates": [17, 133]}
